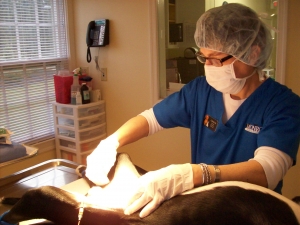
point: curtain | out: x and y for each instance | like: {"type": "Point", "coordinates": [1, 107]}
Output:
{"type": "Point", "coordinates": [33, 47]}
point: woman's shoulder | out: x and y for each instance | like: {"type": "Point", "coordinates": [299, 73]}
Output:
{"type": "Point", "coordinates": [273, 87]}
{"type": "Point", "coordinates": [279, 97]}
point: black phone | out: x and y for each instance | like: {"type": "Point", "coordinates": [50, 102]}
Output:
{"type": "Point", "coordinates": [97, 35]}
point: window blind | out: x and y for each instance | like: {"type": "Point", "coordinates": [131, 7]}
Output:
{"type": "Point", "coordinates": [33, 47]}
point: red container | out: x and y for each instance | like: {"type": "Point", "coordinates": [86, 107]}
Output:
{"type": "Point", "coordinates": [62, 86]}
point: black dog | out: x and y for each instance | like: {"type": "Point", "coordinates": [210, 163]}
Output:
{"type": "Point", "coordinates": [221, 203]}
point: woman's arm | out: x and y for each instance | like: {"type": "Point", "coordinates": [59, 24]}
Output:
{"type": "Point", "coordinates": [103, 157]}
{"type": "Point", "coordinates": [250, 171]}
{"type": "Point", "coordinates": [131, 131]}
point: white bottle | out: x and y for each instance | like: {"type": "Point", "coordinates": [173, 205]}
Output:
{"type": "Point", "coordinates": [75, 86]}
{"type": "Point", "coordinates": [78, 98]}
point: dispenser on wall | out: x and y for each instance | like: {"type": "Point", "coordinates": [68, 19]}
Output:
{"type": "Point", "coordinates": [97, 35]}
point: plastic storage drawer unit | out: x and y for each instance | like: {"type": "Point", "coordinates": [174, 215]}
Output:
{"type": "Point", "coordinates": [78, 129]}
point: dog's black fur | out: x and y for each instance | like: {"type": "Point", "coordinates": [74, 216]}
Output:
{"type": "Point", "coordinates": [223, 205]}
{"type": "Point", "coordinates": [297, 199]}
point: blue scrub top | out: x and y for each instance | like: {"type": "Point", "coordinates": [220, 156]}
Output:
{"type": "Point", "coordinates": [270, 116]}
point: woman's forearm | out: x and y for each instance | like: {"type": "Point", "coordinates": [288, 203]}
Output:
{"type": "Point", "coordinates": [131, 131]}
{"type": "Point", "coordinates": [250, 171]}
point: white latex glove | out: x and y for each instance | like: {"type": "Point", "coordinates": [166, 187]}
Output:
{"type": "Point", "coordinates": [157, 186]}
{"type": "Point", "coordinates": [100, 161]}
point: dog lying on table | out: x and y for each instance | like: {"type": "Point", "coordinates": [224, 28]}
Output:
{"type": "Point", "coordinates": [220, 203]}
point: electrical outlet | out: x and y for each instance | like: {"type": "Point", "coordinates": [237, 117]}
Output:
{"type": "Point", "coordinates": [85, 70]}
{"type": "Point", "coordinates": [103, 72]}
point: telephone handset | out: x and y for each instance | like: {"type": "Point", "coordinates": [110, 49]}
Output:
{"type": "Point", "coordinates": [97, 35]}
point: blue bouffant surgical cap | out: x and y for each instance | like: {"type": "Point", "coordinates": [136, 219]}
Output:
{"type": "Point", "coordinates": [236, 30]}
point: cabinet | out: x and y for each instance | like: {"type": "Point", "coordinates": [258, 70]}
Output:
{"type": "Point", "coordinates": [78, 129]}
{"type": "Point", "coordinates": [174, 30]}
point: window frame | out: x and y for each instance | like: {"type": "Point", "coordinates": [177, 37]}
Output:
{"type": "Point", "coordinates": [42, 71]}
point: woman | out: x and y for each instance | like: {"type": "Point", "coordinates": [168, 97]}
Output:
{"type": "Point", "coordinates": [244, 126]}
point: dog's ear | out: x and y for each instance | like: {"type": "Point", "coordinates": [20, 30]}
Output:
{"type": "Point", "coordinates": [296, 199]}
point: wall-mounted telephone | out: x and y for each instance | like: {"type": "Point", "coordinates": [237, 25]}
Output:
{"type": "Point", "coordinates": [97, 35]}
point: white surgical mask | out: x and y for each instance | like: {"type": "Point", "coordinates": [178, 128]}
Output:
{"type": "Point", "coordinates": [223, 78]}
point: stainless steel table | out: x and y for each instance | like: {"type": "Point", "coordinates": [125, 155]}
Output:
{"type": "Point", "coordinates": [56, 172]}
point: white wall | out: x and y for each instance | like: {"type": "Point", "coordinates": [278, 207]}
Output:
{"type": "Point", "coordinates": [292, 80]}
{"type": "Point", "coordinates": [128, 90]}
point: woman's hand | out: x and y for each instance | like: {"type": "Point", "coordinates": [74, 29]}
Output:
{"type": "Point", "coordinates": [157, 186]}
{"type": "Point", "coordinates": [100, 161]}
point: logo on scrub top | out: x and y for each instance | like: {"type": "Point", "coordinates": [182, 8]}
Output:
{"type": "Point", "coordinates": [252, 128]}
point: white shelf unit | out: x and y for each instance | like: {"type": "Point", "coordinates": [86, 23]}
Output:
{"type": "Point", "coordinates": [78, 129]}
